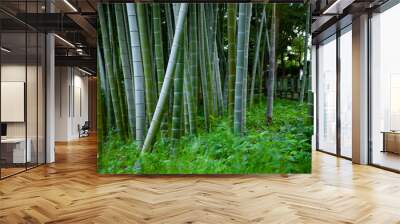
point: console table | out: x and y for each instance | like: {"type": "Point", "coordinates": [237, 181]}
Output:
{"type": "Point", "coordinates": [391, 141]}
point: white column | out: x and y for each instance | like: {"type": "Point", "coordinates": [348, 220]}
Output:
{"type": "Point", "coordinates": [50, 93]}
{"type": "Point", "coordinates": [360, 90]}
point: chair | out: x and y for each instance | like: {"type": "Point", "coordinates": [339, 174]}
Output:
{"type": "Point", "coordinates": [84, 130]}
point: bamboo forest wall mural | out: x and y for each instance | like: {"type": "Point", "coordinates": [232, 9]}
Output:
{"type": "Point", "coordinates": [189, 88]}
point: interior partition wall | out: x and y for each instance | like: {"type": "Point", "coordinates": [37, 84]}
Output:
{"type": "Point", "coordinates": [22, 101]}
{"type": "Point", "coordinates": [385, 88]}
{"type": "Point", "coordinates": [334, 93]}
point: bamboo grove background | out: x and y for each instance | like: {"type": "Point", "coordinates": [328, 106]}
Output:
{"type": "Point", "coordinates": [167, 71]}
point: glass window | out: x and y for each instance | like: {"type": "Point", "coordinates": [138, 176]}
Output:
{"type": "Point", "coordinates": [346, 92]}
{"type": "Point", "coordinates": [327, 95]}
{"type": "Point", "coordinates": [385, 89]}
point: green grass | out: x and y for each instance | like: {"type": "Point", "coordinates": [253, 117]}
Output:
{"type": "Point", "coordinates": [283, 147]}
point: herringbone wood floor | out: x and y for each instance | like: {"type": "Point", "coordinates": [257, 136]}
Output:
{"type": "Point", "coordinates": [70, 191]}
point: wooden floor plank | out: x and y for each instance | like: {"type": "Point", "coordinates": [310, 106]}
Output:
{"type": "Point", "coordinates": [70, 191]}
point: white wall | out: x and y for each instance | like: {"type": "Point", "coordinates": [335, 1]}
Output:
{"type": "Point", "coordinates": [61, 103]}
{"type": "Point", "coordinates": [71, 94]}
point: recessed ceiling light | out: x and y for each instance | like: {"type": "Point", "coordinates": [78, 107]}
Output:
{"type": "Point", "coordinates": [70, 5]}
{"type": "Point", "coordinates": [84, 71]}
{"type": "Point", "coordinates": [64, 40]}
{"type": "Point", "coordinates": [337, 7]}
{"type": "Point", "coordinates": [5, 50]}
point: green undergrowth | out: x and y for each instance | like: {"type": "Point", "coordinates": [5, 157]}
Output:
{"type": "Point", "coordinates": [283, 147]}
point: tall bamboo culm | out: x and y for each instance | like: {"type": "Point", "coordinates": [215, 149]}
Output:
{"type": "Point", "coordinates": [176, 45]}
{"type": "Point", "coordinates": [256, 57]}
{"type": "Point", "coordinates": [203, 70]}
{"type": "Point", "coordinates": [272, 70]}
{"type": "Point", "coordinates": [126, 68]}
{"type": "Point", "coordinates": [232, 8]}
{"type": "Point", "coordinates": [140, 108]}
{"type": "Point", "coordinates": [158, 45]}
{"type": "Point", "coordinates": [240, 57]}
{"type": "Point", "coordinates": [146, 59]}
{"type": "Point", "coordinates": [246, 63]}
{"type": "Point", "coordinates": [109, 68]}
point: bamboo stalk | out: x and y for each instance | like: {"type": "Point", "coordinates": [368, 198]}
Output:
{"type": "Point", "coordinates": [158, 45]}
{"type": "Point", "coordinates": [140, 115]}
{"type": "Point", "coordinates": [177, 42]}
{"type": "Point", "coordinates": [193, 51]}
{"type": "Point", "coordinates": [203, 73]}
{"type": "Point", "coordinates": [212, 104]}
{"type": "Point", "coordinates": [231, 56]}
{"type": "Point", "coordinates": [240, 57]}
{"type": "Point", "coordinates": [105, 92]}
{"type": "Point", "coordinates": [126, 70]}
{"type": "Point", "coordinates": [272, 71]}
{"type": "Point", "coordinates": [178, 96]}
{"type": "Point", "coordinates": [221, 108]}
{"type": "Point", "coordinates": [109, 68]}
{"type": "Point", "coordinates": [305, 63]}
{"type": "Point", "coordinates": [146, 59]}
{"type": "Point", "coordinates": [246, 62]}
{"type": "Point", "coordinates": [256, 57]}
